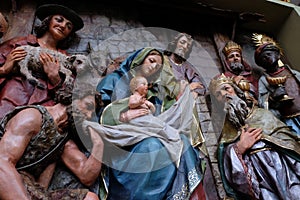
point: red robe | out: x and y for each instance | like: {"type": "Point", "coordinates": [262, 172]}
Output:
{"type": "Point", "coordinates": [15, 90]}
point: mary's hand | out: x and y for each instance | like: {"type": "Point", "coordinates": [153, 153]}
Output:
{"type": "Point", "coordinates": [248, 138]}
{"type": "Point", "coordinates": [14, 56]}
{"type": "Point", "coordinates": [132, 114]}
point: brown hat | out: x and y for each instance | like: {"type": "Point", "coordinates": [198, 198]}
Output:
{"type": "Point", "coordinates": [54, 9]}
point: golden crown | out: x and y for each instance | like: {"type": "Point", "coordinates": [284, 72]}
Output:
{"type": "Point", "coordinates": [230, 47]}
{"type": "Point", "coordinates": [260, 39]}
{"type": "Point", "coordinates": [220, 80]}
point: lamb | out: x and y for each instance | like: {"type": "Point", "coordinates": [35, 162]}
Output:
{"type": "Point", "coordinates": [31, 63]}
{"type": "Point", "coordinates": [92, 68]}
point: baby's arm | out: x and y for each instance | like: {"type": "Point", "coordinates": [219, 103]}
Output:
{"type": "Point", "coordinates": [135, 101]}
{"type": "Point", "coordinates": [150, 106]}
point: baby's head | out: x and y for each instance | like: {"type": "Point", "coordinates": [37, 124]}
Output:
{"type": "Point", "coordinates": [139, 84]}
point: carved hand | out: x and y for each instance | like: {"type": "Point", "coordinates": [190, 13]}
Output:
{"type": "Point", "coordinates": [132, 114]}
{"type": "Point", "coordinates": [248, 138]}
{"type": "Point", "coordinates": [51, 67]}
{"type": "Point", "coordinates": [14, 56]}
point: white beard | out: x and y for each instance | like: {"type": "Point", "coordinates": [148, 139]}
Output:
{"type": "Point", "coordinates": [236, 110]}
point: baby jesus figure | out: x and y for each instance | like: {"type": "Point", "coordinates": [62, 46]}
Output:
{"type": "Point", "coordinates": [139, 90]}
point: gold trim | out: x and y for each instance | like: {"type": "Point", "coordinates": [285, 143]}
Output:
{"type": "Point", "coordinates": [259, 150]}
{"type": "Point", "coordinates": [231, 47]}
{"type": "Point", "coordinates": [292, 116]}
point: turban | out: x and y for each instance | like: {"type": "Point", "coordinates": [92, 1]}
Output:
{"type": "Point", "coordinates": [262, 48]}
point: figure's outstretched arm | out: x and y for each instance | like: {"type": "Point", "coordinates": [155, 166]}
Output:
{"type": "Point", "coordinates": [86, 169]}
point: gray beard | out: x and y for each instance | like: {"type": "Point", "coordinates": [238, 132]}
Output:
{"type": "Point", "coordinates": [237, 67]}
{"type": "Point", "coordinates": [236, 110]}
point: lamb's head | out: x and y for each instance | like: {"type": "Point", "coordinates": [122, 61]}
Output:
{"type": "Point", "coordinates": [100, 60]}
{"type": "Point", "coordinates": [79, 62]}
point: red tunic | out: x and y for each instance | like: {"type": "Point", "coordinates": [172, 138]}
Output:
{"type": "Point", "coordinates": [15, 90]}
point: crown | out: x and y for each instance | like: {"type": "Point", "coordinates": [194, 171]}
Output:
{"type": "Point", "coordinates": [230, 47]}
{"type": "Point", "coordinates": [260, 39]}
{"type": "Point", "coordinates": [219, 80]}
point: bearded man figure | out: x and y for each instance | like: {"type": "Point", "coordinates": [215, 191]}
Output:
{"type": "Point", "coordinates": [176, 54]}
{"type": "Point", "coordinates": [258, 155]}
{"type": "Point", "coordinates": [238, 68]}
